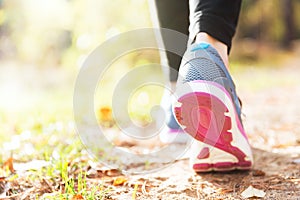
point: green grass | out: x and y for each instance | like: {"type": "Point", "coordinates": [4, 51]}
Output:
{"type": "Point", "coordinates": [48, 130]}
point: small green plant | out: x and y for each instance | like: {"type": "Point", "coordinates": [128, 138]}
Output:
{"type": "Point", "coordinates": [78, 185]}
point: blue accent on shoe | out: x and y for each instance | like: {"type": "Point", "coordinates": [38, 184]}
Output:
{"type": "Point", "coordinates": [171, 121]}
{"type": "Point", "coordinates": [200, 46]}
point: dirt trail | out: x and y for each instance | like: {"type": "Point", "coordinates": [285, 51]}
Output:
{"type": "Point", "coordinates": [271, 118]}
{"type": "Point", "coordinates": [271, 105]}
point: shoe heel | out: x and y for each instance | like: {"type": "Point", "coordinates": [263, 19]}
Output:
{"type": "Point", "coordinates": [207, 119]}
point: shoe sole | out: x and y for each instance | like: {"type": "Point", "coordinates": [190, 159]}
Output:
{"type": "Point", "coordinates": [205, 111]}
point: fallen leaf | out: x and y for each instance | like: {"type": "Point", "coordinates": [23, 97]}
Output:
{"type": "Point", "coordinates": [9, 164]}
{"type": "Point", "coordinates": [225, 190]}
{"type": "Point", "coordinates": [77, 197]}
{"type": "Point", "coordinates": [253, 192]}
{"type": "Point", "coordinates": [124, 143]}
{"type": "Point", "coordinates": [113, 172]}
{"type": "Point", "coordinates": [105, 113]}
{"type": "Point", "coordinates": [105, 116]}
{"type": "Point", "coordinates": [119, 181]}
{"type": "Point", "coordinates": [258, 173]}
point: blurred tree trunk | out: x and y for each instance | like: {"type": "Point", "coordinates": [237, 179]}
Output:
{"type": "Point", "coordinates": [288, 21]}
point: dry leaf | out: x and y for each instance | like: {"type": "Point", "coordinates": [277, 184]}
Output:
{"type": "Point", "coordinates": [253, 192]}
{"type": "Point", "coordinates": [258, 173]}
{"type": "Point", "coordinates": [99, 171]}
{"type": "Point", "coordinates": [9, 164]}
{"type": "Point", "coordinates": [77, 197]}
{"type": "Point", "coordinates": [105, 113]}
{"type": "Point", "coordinates": [112, 172]}
{"type": "Point", "coordinates": [119, 181]}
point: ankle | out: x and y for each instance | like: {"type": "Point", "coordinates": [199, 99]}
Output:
{"type": "Point", "coordinates": [219, 46]}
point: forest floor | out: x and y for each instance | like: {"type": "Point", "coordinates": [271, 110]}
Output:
{"type": "Point", "coordinates": [42, 157]}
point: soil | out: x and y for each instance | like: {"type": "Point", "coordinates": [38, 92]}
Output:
{"type": "Point", "coordinates": [272, 117]}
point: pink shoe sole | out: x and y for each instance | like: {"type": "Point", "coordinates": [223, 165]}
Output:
{"type": "Point", "coordinates": [221, 166]}
{"type": "Point", "coordinates": [207, 119]}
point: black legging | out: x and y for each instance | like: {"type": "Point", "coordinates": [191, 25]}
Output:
{"type": "Point", "coordinates": [218, 18]}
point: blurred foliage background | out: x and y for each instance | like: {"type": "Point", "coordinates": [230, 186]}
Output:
{"type": "Point", "coordinates": [61, 32]}
{"type": "Point", "coordinates": [43, 44]}
{"type": "Point", "coordinates": [267, 27]}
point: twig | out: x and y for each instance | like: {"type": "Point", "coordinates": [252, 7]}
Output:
{"type": "Point", "coordinates": [144, 191]}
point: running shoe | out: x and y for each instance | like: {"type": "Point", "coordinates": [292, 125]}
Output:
{"type": "Point", "coordinates": [207, 108]}
{"type": "Point", "coordinates": [171, 132]}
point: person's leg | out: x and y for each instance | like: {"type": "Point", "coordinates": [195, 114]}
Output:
{"type": "Point", "coordinates": [214, 22]}
{"type": "Point", "coordinates": [207, 106]}
{"type": "Point", "coordinates": [174, 15]}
